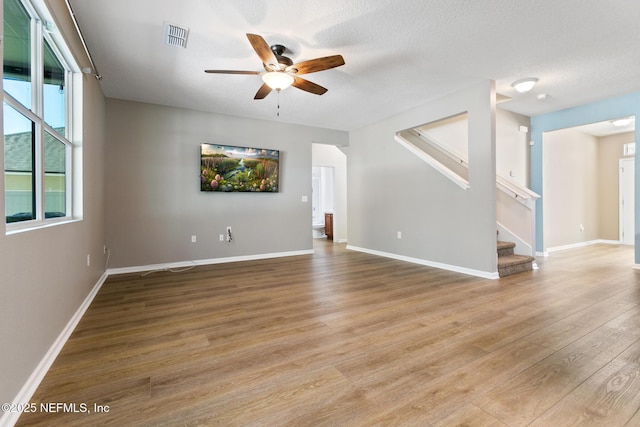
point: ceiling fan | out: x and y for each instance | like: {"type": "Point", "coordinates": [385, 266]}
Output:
{"type": "Point", "coordinates": [280, 71]}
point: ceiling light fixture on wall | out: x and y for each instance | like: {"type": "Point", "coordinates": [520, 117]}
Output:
{"type": "Point", "coordinates": [621, 122]}
{"type": "Point", "coordinates": [277, 80]}
{"type": "Point", "coordinates": [524, 85]}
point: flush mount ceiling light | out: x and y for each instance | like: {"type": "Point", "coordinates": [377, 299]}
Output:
{"type": "Point", "coordinates": [524, 85]}
{"type": "Point", "coordinates": [621, 122]}
{"type": "Point", "coordinates": [277, 80]}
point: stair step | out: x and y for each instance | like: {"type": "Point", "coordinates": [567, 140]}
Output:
{"type": "Point", "coordinates": [503, 245]}
{"type": "Point", "coordinates": [507, 261]}
{"type": "Point", "coordinates": [512, 264]}
{"type": "Point", "coordinates": [505, 248]}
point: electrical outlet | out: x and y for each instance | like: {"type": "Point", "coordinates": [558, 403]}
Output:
{"type": "Point", "coordinates": [222, 237]}
{"type": "Point", "coordinates": [399, 235]}
{"type": "Point", "coordinates": [193, 239]}
{"type": "Point", "coordinates": [88, 260]}
{"type": "Point", "coordinates": [229, 238]}
{"type": "Point", "coordinates": [581, 228]}
{"type": "Point", "coordinates": [104, 249]}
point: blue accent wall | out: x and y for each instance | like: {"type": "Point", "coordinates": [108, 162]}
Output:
{"type": "Point", "coordinates": [621, 106]}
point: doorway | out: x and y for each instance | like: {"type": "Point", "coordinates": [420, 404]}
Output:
{"type": "Point", "coordinates": [333, 161]}
{"type": "Point", "coordinates": [322, 199]}
{"type": "Point", "coordinates": [581, 184]}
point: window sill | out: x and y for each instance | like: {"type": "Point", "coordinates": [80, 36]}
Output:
{"type": "Point", "coordinates": [16, 228]}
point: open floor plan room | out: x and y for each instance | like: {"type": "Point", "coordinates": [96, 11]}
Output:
{"type": "Point", "coordinates": [351, 339]}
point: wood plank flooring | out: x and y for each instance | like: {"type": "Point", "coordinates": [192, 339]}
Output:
{"type": "Point", "coordinates": [342, 338]}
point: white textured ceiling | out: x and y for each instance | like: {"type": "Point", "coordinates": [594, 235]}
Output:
{"type": "Point", "coordinates": [398, 54]}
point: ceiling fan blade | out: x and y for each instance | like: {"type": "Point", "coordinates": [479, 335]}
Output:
{"type": "Point", "coordinates": [263, 50]}
{"type": "Point", "coordinates": [231, 72]}
{"type": "Point", "coordinates": [263, 91]}
{"type": "Point", "coordinates": [315, 65]}
{"type": "Point", "coordinates": [308, 86]}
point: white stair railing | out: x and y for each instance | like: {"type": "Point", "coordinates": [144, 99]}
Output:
{"type": "Point", "coordinates": [407, 142]}
{"type": "Point", "coordinates": [515, 203]}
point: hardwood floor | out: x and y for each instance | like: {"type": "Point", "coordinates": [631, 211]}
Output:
{"type": "Point", "coordinates": [342, 338]}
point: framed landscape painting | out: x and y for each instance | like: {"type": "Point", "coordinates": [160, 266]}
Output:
{"type": "Point", "coordinates": [227, 168]}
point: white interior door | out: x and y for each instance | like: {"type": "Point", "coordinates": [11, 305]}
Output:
{"type": "Point", "coordinates": [627, 175]}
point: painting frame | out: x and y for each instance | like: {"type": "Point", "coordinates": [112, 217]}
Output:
{"type": "Point", "coordinates": [239, 169]}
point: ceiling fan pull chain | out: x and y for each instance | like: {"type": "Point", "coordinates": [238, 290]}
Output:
{"type": "Point", "coordinates": [278, 94]}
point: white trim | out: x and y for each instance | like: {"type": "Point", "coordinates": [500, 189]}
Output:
{"type": "Point", "coordinates": [627, 161]}
{"type": "Point", "coordinates": [517, 190]}
{"type": "Point", "coordinates": [606, 242]}
{"type": "Point", "coordinates": [443, 148]}
{"type": "Point", "coordinates": [29, 388]}
{"type": "Point", "coordinates": [168, 266]}
{"type": "Point", "coordinates": [22, 226]}
{"type": "Point", "coordinates": [454, 268]}
{"type": "Point", "coordinates": [457, 179]}
{"type": "Point", "coordinates": [582, 244]}
{"type": "Point", "coordinates": [44, 31]}
{"type": "Point", "coordinates": [522, 247]}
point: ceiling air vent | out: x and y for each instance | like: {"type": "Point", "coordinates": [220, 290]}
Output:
{"type": "Point", "coordinates": [175, 36]}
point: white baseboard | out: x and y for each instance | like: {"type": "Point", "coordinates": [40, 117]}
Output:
{"type": "Point", "coordinates": [454, 268]}
{"type": "Point", "coordinates": [29, 388]}
{"type": "Point", "coordinates": [185, 264]}
{"type": "Point", "coordinates": [582, 244]}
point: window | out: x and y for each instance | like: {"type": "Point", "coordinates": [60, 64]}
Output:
{"type": "Point", "coordinates": [37, 115]}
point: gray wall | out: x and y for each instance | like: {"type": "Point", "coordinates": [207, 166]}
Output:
{"type": "Point", "coordinates": [391, 190]}
{"type": "Point", "coordinates": [44, 277]}
{"type": "Point", "coordinates": [154, 202]}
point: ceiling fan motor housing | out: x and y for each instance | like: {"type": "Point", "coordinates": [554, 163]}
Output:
{"type": "Point", "coordinates": [278, 51]}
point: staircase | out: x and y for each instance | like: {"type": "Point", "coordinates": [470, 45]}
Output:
{"type": "Point", "coordinates": [515, 203]}
{"type": "Point", "coordinates": [509, 264]}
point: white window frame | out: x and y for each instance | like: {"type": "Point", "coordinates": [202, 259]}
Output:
{"type": "Point", "coordinates": [42, 28]}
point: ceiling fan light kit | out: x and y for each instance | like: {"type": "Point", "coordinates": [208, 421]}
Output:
{"type": "Point", "coordinates": [281, 72]}
{"type": "Point", "coordinates": [277, 80]}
